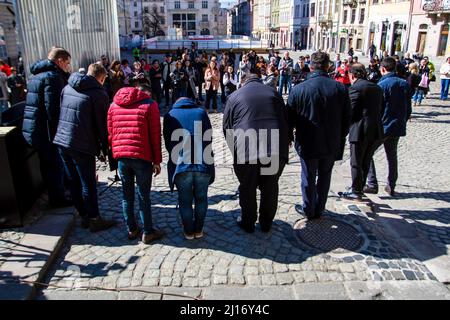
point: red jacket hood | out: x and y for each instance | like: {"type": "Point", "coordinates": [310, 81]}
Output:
{"type": "Point", "coordinates": [129, 96]}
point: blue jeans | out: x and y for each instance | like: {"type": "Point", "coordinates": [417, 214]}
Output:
{"type": "Point", "coordinates": [285, 81]}
{"type": "Point", "coordinates": [190, 186]}
{"type": "Point", "coordinates": [445, 84]}
{"type": "Point", "coordinates": [316, 180]}
{"type": "Point", "coordinates": [129, 169]}
{"type": "Point", "coordinates": [418, 96]}
{"type": "Point", "coordinates": [3, 107]}
{"type": "Point", "coordinates": [81, 172]}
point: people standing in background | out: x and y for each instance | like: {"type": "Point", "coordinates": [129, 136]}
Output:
{"type": "Point", "coordinates": [212, 79]}
{"type": "Point", "coordinates": [301, 71]}
{"type": "Point", "coordinates": [155, 74]}
{"type": "Point", "coordinates": [422, 88]}
{"type": "Point", "coordinates": [413, 78]}
{"type": "Point", "coordinates": [373, 72]}
{"type": "Point", "coordinates": [17, 85]}
{"type": "Point", "coordinates": [127, 72]}
{"type": "Point", "coordinates": [372, 51]}
{"type": "Point", "coordinates": [271, 79]}
{"type": "Point", "coordinates": [179, 82]}
{"type": "Point", "coordinates": [5, 68]}
{"type": "Point", "coordinates": [285, 69]}
{"type": "Point", "coordinates": [117, 77]}
{"type": "Point", "coordinates": [192, 78]}
{"type": "Point", "coordinates": [230, 81]}
{"type": "Point", "coordinates": [445, 79]}
{"type": "Point", "coordinates": [167, 69]}
{"type": "Point", "coordinates": [223, 69]}
{"type": "Point", "coordinates": [4, 96]}
{"type": "Point", "coordinates": [342, 73]}
{"type": "Point", "coordinates": [200, 66]}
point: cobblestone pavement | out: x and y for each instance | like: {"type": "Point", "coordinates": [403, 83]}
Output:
{"type": "Point", "coordinates": [227, 257]}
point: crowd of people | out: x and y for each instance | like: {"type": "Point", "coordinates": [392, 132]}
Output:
{"type": "Point", "coordinates": [112, 112]}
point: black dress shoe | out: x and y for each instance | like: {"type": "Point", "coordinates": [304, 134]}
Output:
{"type": "Point", "coordinates": [301, 211]}
{"type": "Point", "coordinates": [350, 195]}
{"type": "Point", "coordinates": [245, 228]}
{"type": "Point", "coordinates": [370, 190]}
{"type": "Point", "coordinates": [390, 191]}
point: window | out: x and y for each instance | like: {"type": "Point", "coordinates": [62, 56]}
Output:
{"type": "Point", "coordinates": [362, 12]}
{"type": "Point", "coordinates": [161, 9]}
{"type": "Point", "coordinates": [177, 5]}
{"type": "Point", "coordinates": [313, 9]}
{"type": "Point", "coordinates": [374, 1]}
{"type": "Point", "coordinates": [358, 44]}
{"type": "Point", "coordinates": [344, 19]}
{"type": "Point", "coordinates": [146, 10]}
{"type": "Point", "coordinates": [163, 21]}
{"type": "Point", "coordinates": [191, 5]}
{"type": "Point", "coordinates": [353, 16]}
{"type": "Point", "coordinates": [136, 24]}
{"type": "Point", "coordinates": [185, 21]}
{"type": "Point", "coordinates": [205, 4]}
{"type": "Point", "coordinates": [204, 17]}
{"type": "Point", "coordinates": [135, 14]}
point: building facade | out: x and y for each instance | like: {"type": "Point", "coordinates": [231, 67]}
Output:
{"type": "Point", "coordinates": [429, 28]}
{"type": "Point", "coordinates": [387, 26]}
{"type": "Point", "coordinates": [241, 19]}
{"type": "Point", "coordinates": [8, 38]}
{"type": "Point", "coordinates": [352, 33]}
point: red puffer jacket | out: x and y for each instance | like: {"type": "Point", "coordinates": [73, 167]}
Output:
{"type": "Point", "coordinates": [134, 126]}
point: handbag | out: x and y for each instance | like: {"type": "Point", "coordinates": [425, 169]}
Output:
{"type": "Point", "coordinates": [424, 81]}
{"type": "Point", "coordinates": [433, 78]}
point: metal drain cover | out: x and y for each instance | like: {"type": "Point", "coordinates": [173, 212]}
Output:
{"type": "Point", "coordinates": [329, 235]}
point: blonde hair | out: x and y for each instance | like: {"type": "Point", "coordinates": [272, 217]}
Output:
{"type": "Point", "coordinates": [414, 68]}
{"type": "Point", "coordinates": [96, 70]}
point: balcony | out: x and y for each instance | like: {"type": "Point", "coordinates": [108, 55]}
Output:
{"type": "Point", "coordinates": [436, 6]}
{"type": "Point", "coordinates": [350, 3]}
{"type": "Point", "coordinates": [325, 20]}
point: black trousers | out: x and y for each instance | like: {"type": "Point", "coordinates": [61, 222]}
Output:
{"type": "Point", "coordinates": [250, 178]}
{"type": "Point", "coordinates": [390, 147]}
{"type": "Point", "coordinates": [361, 154]}
{"type": "Point", "coordinates": [167, 85]}
{"type": "Point", "coordinates": [316, 181]}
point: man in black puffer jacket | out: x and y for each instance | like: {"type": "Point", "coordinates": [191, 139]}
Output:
{"type": "Point", "coordinates": [82, 135]}
{"type": "Point", "coordinates": [41, 117]}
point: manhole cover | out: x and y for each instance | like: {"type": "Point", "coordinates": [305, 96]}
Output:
{"type": "Point", "coordinates": [329, 235]}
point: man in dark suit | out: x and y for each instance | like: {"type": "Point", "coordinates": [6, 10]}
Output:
{"type": "Point", "coordinates": [366, 128]}
{"type": "Point", "coordinates": [256, 128]}
{"type": "Point", "coordinates": [320, 111]}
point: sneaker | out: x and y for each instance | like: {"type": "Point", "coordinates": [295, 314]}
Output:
{"type": "Point", "coordinates": [152, 237]}
{"type": "Point", "coordinates": [245, 228]}
{"type": "Point", "coordinates": [133, 235]}
{"type": "Point", "coordinates": [301, 211]}
{"type": "Point", "coordinates": [188, 236]}
{"type": "Point", "coordinates": [370, 190]}
{"type": "Point", "coordinates": [100, 224]}
{"type": "Point", "coordinates": [390, 191]}
{"type": "Point", "coordinates": [199, 235]}
{"type": "Point", "coordinates": [350, 195]}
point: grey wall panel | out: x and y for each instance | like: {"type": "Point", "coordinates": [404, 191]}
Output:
{"type": "Point", "coordinates": [86, 28]}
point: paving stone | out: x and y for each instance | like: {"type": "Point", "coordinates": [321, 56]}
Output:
{"type": "Point", "coordinates": [253, 280]}
{"type": "Point", "coordinates": [284, 278]}
{"type": "Point", "coordinates": [220, 279]}
{"type": "Point", "coordinates": [268, 280]}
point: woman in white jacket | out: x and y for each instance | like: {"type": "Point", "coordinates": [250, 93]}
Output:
{"type": "Point", "coordinates": [445, 79]}
{"type": "Point", "coordinates": [230, 81]}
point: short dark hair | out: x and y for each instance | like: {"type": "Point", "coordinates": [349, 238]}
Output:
{"type": "Point", "coordinates": [58, 53]}
{"type": "Point", "coordinates": [320, 61]}
{"type": "Point", "coordinates": [144, 87]}
{"type": "Point", "coordinates": [389, 64]}
{"type": "Point", "coordinates": [96, 70]}
{"type": "Point", "coordinates": [358, 71]}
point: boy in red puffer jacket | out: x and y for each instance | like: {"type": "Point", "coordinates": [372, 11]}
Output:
{"type": "Point", "coordinates": [134, 129]}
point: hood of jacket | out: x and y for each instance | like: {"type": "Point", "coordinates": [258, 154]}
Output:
{"type": "Point", "coordinates": [81, 82]}
{"type": "Point", "coordinates": [185, 103]}
{"type": "Point", "coordinates": [44, 66]}
{"type": "Point", "coordinates": [129, 96]}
